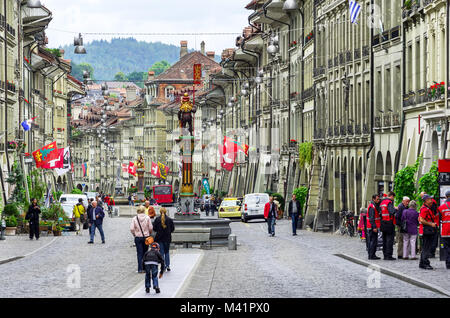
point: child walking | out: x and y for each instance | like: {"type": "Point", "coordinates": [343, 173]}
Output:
{"type": "Point", "coordinates": [152, 258]}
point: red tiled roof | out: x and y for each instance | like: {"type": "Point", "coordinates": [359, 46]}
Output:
{"type": "Point", "coordinates": [183, 69]}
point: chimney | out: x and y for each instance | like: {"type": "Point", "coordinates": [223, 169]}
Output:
{"type": "Point", "coordinates": [211, 55]}
{"type": "Point", "coordinates": [131, 94]}
{"type": "Point", "coordinates": [184, 48]}
{"type": "Point", "coordinates": [151, 76]}
{"type": "Point", "coordinates": [202, 45]}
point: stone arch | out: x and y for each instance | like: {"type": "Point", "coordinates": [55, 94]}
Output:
{"type": "Point", "coordinates": [359, 188]}
{"type": "Point", "coordinates": [351, 186]}
{"type": "Point", "coordinates": [379, 166]}
{"type": "Point", "coordinates": [434, 146]}
{"type": "Point", "coordinates": [86, 188]}
{"type": "Point", "coordinates": [388, 169]}
{"type": "Point", "coordinates": [419, 148]}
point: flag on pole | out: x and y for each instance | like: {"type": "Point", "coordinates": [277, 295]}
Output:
{"type": "Point", "coordinates": [132, 168]}
{"type": "Point", "coordinates": [26, 124]}
{"type": "Point", "coordinates": [46, 154]}
{"type": "Point", "coordinates": [163, 170]}
{"type": "Point", "coordinates": [155, 170]}
{"type": "Point", "coordinates": [235, 146]}
{"type": "Point", "coordinates": [227, 158]}
{"type": "Point", "coordinates": [58, 163]}
{"type": "Point", "coordinates": [85, 169]}
{"type": "Point", "coordinates": [355, 10]}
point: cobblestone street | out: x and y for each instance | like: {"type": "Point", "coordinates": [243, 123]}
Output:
{"type": "Point", "coordinates": [283, 266]}
{"type": "Point", "coordinates": [288, 266]}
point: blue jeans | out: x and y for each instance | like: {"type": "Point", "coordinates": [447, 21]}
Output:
{"type": "Point", "coordinates": [100, 229]}
{"type": "Point", "coordinates": [141, 248]}
{"type": "Point", "coordinates": [164, 250]}
{"type": "Point", "coordinates": [153, 270]}
{"type": "Point", "coordinates": [271, 225]}
{"type": "Point", "coordinates": [294, 223]}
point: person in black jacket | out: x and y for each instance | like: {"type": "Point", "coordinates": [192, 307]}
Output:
{"type": "Point", "coordinates": [164, 227]}
{"type": "Point", "coordinates": [150, 262]}
{"type": "Point", "coordinates": [33, 217]}
{"type": "Point", "coordinates": [295, 212]}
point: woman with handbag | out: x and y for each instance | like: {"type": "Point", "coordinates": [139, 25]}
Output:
{"type": "Point", "coordinates": [427, 231]}
{"type": "Point", "coordinates": [141, 228]}
{"type": "Point", "coordinates": [164, 228]}
{"type": "Point", "coordinates": [409, 223]}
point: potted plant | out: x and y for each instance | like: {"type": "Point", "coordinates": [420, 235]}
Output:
{"type": "Point", "coordinates": [11, 225]}
{"type": "Point", "coordinates": [57, 229]}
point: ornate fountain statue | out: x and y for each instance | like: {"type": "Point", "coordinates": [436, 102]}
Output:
{"type": "Point", "coordinates": [141, 175]}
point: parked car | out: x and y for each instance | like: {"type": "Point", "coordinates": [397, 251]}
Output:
{"type": "Point", "coordinates": [230, 208]}
{"type": "Point", "coordinates": [253, 206]}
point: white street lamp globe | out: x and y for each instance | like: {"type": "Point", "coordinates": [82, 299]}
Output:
{"type": "Point", "coordinates": [275, 40]}
{"type": "Point", "coordinates": [258, 80]}
{"type": "Point", "coordinates": [244, 92]}
{"type": "Point", "coordinates": [272, 49]}
{"type": "Point", "coordinates": [34, 4]}
{"type": "Point", "coordinates": [80, 50]}
{"type": "Point", "coordinates": [290, 5]}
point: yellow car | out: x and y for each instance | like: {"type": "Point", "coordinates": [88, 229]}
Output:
{"type": "Point", "coordinates": [230, 208]}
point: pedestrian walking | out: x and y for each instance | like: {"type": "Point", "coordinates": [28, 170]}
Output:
{"type": "Point", "coordinates": [398, 220]}
{"type": "Point", "coordinates": [78, 213]}
{"type": "Point", "coordinates": [294, 211]}
{"type": "Point", "coordinates": [33, 218]}
{"type": "Point", "coordinates": [150, 262]}
{"type": "Point", "coordinates": [89, 212]}
{"type": "Point", "coordinates": [388, 212]}
{"type": "Point", "coordinates": [130, 200]}
{"type": "Point", "coordinates": [141, 228]}
{"type": "Point", "coordinates": [373, 225]}
{"type": "Point", "coordinates": [270, 214]}
{"type": "Point", "coordinates": [362, 227]}
{"type": "Point", "coordinates": [427, 231]}
{"type": "Point", "coordinates": [409, 223]}
{"type": "Point", "coordinates": [96, 221]}
{"type": "Point", "coordinates": [444, 211]}
{"type": "Point", "coordinates": [164, 228]}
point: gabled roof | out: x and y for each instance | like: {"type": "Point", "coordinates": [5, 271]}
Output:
{"type": "Point", "coordinates": [183, 69]}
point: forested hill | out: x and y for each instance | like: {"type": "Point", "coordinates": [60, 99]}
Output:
{"type": "Point", "coordinates": [126, 55]}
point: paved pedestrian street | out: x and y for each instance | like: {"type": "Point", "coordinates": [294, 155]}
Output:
{"type": "Point", "coordinates": [283, 266]}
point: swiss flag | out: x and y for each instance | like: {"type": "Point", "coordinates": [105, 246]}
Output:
{"type": "Point", "coordinates": [155, 170]}
{"type": "Point", "coordinates": [227, 158]}
{"type": "Point", "coordinates": [132, 169]}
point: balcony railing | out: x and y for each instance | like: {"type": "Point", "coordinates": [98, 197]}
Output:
{"type": "Point", "coordinates": [350, 129]}
{"type": "Point", "coordinates": [357, 129]}
{"type": "Point", "coordinates": [336, 131]}
{"type": "Point", "coordinates": [377, 122]}
{"type": "Point", "coordinates": [366, 51]}
{"type": "Point", "coordinates": [343, 130]}
{"type": "Point", "coordinates": [330, 131]}
{"type": "Point", "coordinates": [395, 32]}
{"type": "Point", "coordinates": [349, 56]}
{"type": "Point", "coordinates": [357, 54]}
{"type": "Point", "coordinates": [330, 63]}
{"type": "Point", "coordinates": [387, 120]}
{"type": "Point", "coordinates": [396, 119]}
{"type": "Point", "coordinates": [366, 129]}
{"type": "Point", "coordinates": [376, 40]}
{"type": "Point", "coordinates": [341, 58]}
{"type": "Point", "coordinates": [319, 71]}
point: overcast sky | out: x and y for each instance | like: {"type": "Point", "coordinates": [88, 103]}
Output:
{"type": "Point", "coordinates": [149, 16]}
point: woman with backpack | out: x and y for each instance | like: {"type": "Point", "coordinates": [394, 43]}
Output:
{"type": "Point", "coordinates": [78, 214]}
{"type": "Point", "coordinates": [141, 228]}
{"type": "Point", "coordinates": [164, 228]}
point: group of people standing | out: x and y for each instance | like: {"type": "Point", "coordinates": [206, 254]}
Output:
{"type": "Point", "coordinates": [430, 223]}
{"type": "Point", "coordinates": [152, 237]}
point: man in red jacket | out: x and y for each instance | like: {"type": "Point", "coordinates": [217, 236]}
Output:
{"type": "Point", "coordinates": [270, 214]}
{"type": "Point", "coordinates": [444, 211]}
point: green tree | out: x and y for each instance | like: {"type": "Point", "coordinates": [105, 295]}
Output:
{"type": "Point", "coordinates": [120, 77]}
{"type": "Point", "coordinates": [78, 69]}
{"type": "Point", "coordinates": [301, 194]}
{"type": "Point", "coordinates": [429, 183]}
{"type": "Point", "coordinates": [76, 191]}
{"type": "Point", "coordinates": [17, 179]}
{"type": "Point", "coordinates": [160, 67]}
{"type": "Point", "coordinates": [405, 183]}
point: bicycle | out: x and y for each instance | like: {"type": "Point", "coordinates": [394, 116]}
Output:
{"type": "Point", "coordinates": [347, 223]}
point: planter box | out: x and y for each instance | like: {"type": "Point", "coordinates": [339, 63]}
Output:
{"type": "Point", "coordinates": [57, 233]}
{"type": "Point", "coordinates": [10, 231]}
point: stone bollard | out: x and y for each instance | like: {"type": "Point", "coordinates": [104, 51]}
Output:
{"type": "Point", "coordinates": [232, 242]}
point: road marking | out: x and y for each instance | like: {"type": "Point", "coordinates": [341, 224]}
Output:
{"type": "Point", "coordinates": [172, 282]}
{"type": "Point", "coordinates": [42, 247]}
